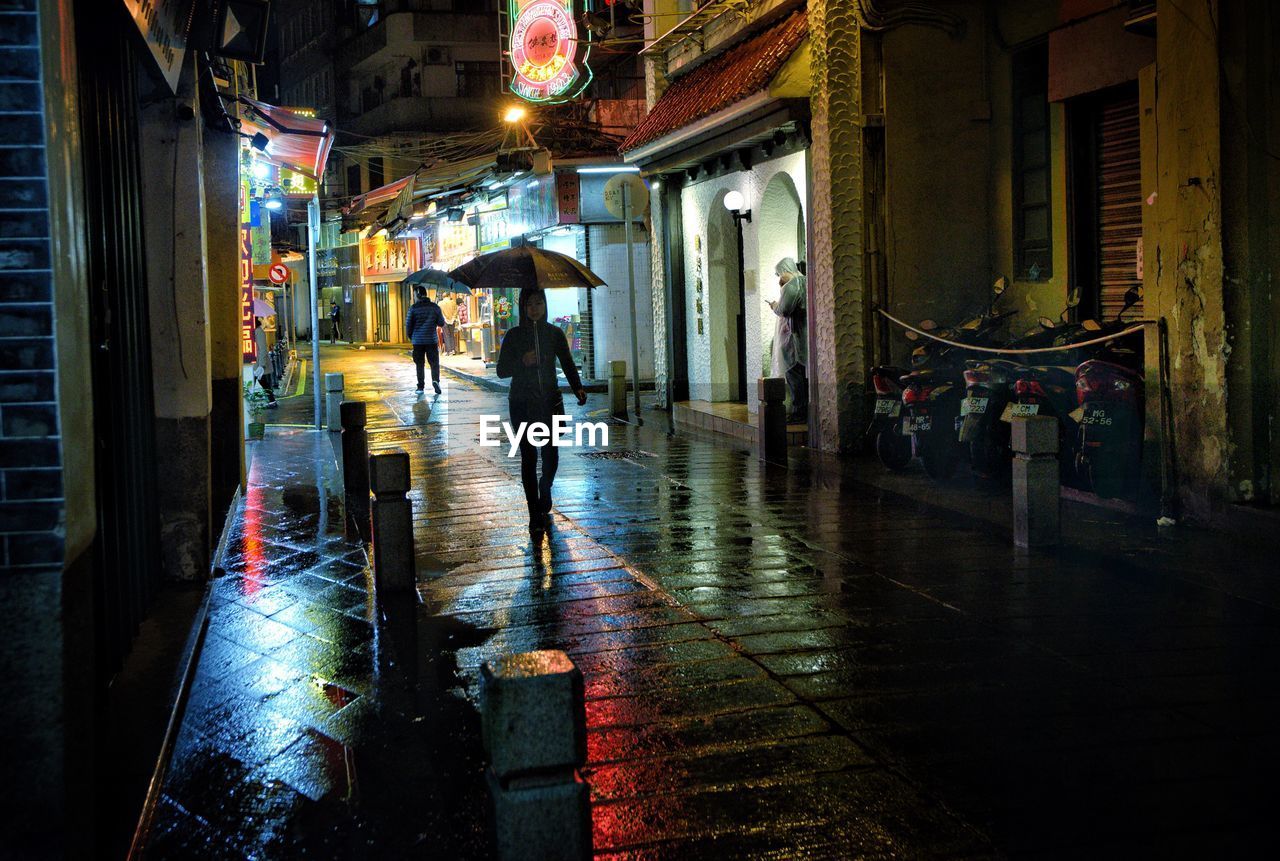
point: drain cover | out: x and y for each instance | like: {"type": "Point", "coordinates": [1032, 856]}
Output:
{"type": "Point", "coordinates": [616, 454]}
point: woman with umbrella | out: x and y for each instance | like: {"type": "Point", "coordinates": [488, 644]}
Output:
{"type": "Point", "coordinates": [528, 357]}
{"type": "Point", "coordinates": [529, 352]}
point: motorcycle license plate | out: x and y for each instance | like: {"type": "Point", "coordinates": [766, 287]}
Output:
{"type": "Point", "coordinates": [886, 407]}
{"type": "Point", "coordinates": [1096, 416]}
{"type": "Point", "coordinates": [916, 424]}
{"type": "Point", "coordinates": [973, 406]}
{"type": "Point", "coordinates": [1015, 410]}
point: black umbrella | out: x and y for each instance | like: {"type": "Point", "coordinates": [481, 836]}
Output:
{"type": "Point", "coordinates": [437, 279]}
{"type": "Point", "coordinates": [525, 266]}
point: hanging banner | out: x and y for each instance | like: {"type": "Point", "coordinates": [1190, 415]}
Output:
{"type": "Point", "coordinates": [547, 53]}
{"type": "Point", "coordinates": [247, 347]}
{"type": "Point", "coordinates": [164, 25]}
{"type": "Point", "coordinates": [261, 241]}
{"type": "Point", "coordinates": [383, 259]}
{"type": "Point", "coordinates": [568, 189]}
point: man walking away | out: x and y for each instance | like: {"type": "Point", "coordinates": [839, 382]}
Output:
{"type": "Point", "coordinates": [795, 341]}
{"type": "Point", "coordinates": [420, 324]}
{"type": "Point", "coordinates": [335, 322]}
{"type": "Point", "coordinates": [449, 308]}
{"type": "Point", "coordinates": [262, 369]}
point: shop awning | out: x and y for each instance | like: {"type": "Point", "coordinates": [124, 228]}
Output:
{"type": "Point", "coordinates": [294, 141]}
{"type": "Point", "coordinates": [739, 73]}
{"type": "Point", "coordinates": [392, 205]}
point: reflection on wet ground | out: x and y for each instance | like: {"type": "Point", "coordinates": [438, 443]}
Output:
{"type": "Point", "coordinates": [782, 663]}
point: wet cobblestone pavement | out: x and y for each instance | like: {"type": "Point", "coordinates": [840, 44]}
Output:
{"type": "Point", "coordinates": [778, 663]}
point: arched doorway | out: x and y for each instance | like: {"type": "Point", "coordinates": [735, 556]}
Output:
{"type": "Point", "coordinates": [781, 234]}
{"type": "Point", "coordinates": [723, 305]}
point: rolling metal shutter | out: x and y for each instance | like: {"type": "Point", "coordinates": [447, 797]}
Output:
{"type": "Point", "coordinates": [1119, 204]}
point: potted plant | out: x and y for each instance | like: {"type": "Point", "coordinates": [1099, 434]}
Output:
{"type": "Point", "coordinates": [255, 401]}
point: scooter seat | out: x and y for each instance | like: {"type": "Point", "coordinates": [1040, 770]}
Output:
{"type": "Point", "coordinates": [891, 371]}
{"type": "Point", "coordinates": [1052, 373]}
{"type": "Point", "coordinates": [932, 375]}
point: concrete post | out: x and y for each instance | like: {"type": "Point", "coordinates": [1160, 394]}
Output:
{"type": "Point", "coordinates": [534, 727]}
{"type": "Point", "coordinates": [355, 465]}
{"type": "Point", "coordinates": [771, 433]}
{"type": "Point", "coordinates": [333, 389]}
{"type": "Point", "coordinates": [393, 559]}
{"type": "Point", "coordinates": [618, 389]}
{"type": "Point", "coordinates": [170, 133]}
{"type": "Point", "coordinates": [1036, 501]}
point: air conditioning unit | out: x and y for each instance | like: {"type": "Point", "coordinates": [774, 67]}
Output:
{"type": "Point", "coordinates": [435, 55]}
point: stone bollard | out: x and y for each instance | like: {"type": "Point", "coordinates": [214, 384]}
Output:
{"type": "Point", "coordinates": [534, 726]}
{"type": "Point", "coordinates": [771, 433]}
{"type": "Point", "coordinates": [1036, 499]}
{"type": "Point", "coordinates": [393, 559]}
{"type": "Point", "coordinates": [333, 386]}
{"type": "Point", "coordinates": [618, 389]}
{"type": "Point", "coordinates": [355, 465]}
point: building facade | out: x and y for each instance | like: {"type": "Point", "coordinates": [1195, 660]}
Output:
{"type": "Point", "coordinates": [1091, 146]}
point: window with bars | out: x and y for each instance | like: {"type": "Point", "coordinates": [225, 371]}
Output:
{"type": "Point", "coordinates": [1032, 222]}
{"type": "Point", "coordinates": [478, 78]}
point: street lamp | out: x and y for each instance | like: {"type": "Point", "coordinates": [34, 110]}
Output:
{"type": "Point", "coordinates": [734, 201]}
{"type": "Point", "coordinates": [515, 117]}
{"type": "Point", "coordinates": [274, 199]}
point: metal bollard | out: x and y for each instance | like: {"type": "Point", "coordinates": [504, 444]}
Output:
{"type": "Point", "coordinates": [1036, 495]}
{"type": "Point", "coordinates": [393, 559]}
{"type": "Point", "coordinates": [771, 432]}
{"type": "Point", "coordinates": [333, 389]}
{"type": "Point", "coordinates": [534, 727]}
{"type": "Point", "coordinates": [618, 389]}
{"type": "Point", "coordinates": [355, 465]}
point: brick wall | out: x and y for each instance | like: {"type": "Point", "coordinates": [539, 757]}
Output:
{"type": "Point", "coordinates": [31, 509]}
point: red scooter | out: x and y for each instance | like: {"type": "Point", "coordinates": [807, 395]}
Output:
{"type": "Point", "coordinates": [1110, 392]}
{"type": "Point", "coordinates": [932, 396]}
{"type": "Point", "coordinates": [892, 446]}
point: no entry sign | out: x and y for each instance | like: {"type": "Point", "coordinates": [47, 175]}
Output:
{"type": "Point", "coordinates": [278, 273]}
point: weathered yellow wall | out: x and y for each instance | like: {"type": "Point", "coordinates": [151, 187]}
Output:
{"type": "Point", "coordinates": [1183, 239]}
{"type": "Point", "coordinates": [937, 172]}
{"type": "Point", "coordinates": [948, 138]}
{"type": "Point", "coordinates": [1251, 242]}
{"type": "Point", "coordinates": [1017, 23]}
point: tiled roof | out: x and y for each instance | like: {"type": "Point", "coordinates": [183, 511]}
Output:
{"type": "Point", "coordinates": [739, 72]}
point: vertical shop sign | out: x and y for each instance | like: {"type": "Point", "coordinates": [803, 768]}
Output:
{"type": "Point", "coordinates": [567, 194]}
{"type": "Point", "coordinates": [247, 347]}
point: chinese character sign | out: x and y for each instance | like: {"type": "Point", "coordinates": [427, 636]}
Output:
{"type": "Point", "coordinates": [548, 59]}
{"type": "Point", "coordinates": [383, 259]}
{"type": "Point", "coordinates": [247, 346]}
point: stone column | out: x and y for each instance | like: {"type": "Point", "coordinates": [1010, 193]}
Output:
{"type": "Point", "coordinates": [839, 337]}
{"type": "Point", "coordinates": [222, 242]}
{"type": "Point", "coordinates": [170, 145]}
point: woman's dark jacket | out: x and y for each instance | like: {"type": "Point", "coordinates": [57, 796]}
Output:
{"type": "Point", "coordinates": [535, 393]}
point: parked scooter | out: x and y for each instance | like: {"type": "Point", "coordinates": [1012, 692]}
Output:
{"type": "Point", "coordinates": [933, 392]}
{"type": "Point", "coordinates": [892, 446]}
{"type": "Point", "coordinates": [1052, 390]}
{"type": "Point", "coordinates": [1109, 389]}
{"type": "Point", "coordinates": [990, 388]}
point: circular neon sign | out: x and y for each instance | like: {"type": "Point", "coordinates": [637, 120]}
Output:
{"type": "Point", "coordinates": [544, 44]}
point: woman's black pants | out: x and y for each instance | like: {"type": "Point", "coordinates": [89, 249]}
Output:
{"type": "Point", "coordinates": [537, 492]}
